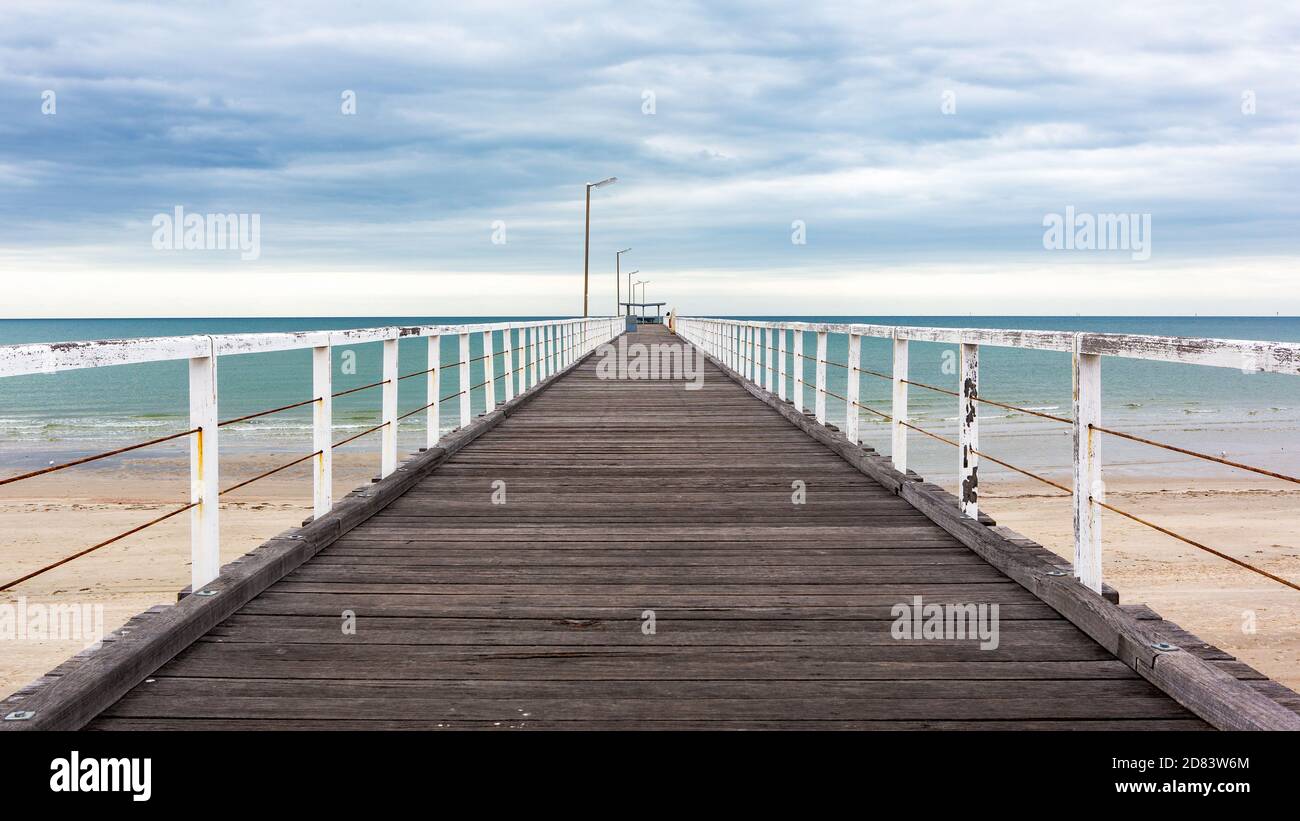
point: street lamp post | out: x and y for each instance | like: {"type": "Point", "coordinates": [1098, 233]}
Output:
{"type": "Point", "coordinates": [586, 242]}
{"type": "Point", "coordinates": [618, 279]}
{"type": "Point", "coordinates": [642, 283]}
{"type": "Point", "coordinates": [630, 296]}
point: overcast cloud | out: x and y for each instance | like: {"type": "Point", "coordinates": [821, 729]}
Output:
{"type": "Point", "coordinates": [828, 113]}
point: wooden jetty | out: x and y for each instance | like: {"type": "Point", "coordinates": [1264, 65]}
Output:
{"type": "Point", "coordinates": [629, 554]}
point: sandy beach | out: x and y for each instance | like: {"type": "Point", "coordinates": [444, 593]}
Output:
{"type": "Point", "coordinates": [54, 516]}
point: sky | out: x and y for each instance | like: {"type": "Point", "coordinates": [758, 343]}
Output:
{"type": "Point", "coordinates": [773, 158]}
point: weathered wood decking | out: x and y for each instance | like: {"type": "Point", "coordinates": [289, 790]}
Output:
{"type": "Point", "coordinates": [623, 497]}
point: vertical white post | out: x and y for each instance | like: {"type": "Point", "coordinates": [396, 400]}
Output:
{"type": "Point", "coordinates": [767, 357]}
{"type": "Point", "coordinates": [205, 532]}
{"type": "Point", "coordinates": [432, 393]}
{"type": "Point", "coordinates": [853, 385]}
{"type": "Point", "coordinates": [751, 368]}
{"type": "Point", "coordinates": [819, 406]}
{"type": "Point", "coordinates": [388, 435]}
{"type": "Point", "coordinates": [780, 362]}
{"type": "Point", "coordinates": [530, 361]}
{"type": "Point", "coordinates": [968, 433]}
{"type": "Point", "coordinates": [507, 341]}
{"type": "Point", "coordinates": [1088, 488]}
{"type": "Point", "coordinates": [322, 418]}
{"type": "Point", "coordinates": [798, 369]}
{"type": "Point", "coordinates": [464, 380]}
{"type": "Point", "coordinates": [550, 352]}
{"type": "Point", "coordinates": [898, 445]}
{"type": "Point", "coordinates": [489, 373]}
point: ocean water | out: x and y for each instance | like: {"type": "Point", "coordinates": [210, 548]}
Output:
{"type": "Point", "coordinates": [1253, 418]}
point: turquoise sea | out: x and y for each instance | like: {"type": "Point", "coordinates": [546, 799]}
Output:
{"type": "Point", "coordinates": [1254, 418]}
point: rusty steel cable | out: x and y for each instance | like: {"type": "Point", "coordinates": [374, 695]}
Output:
{"type": "Point", "coordinates": [359, 435]}
{"type": "Point", "coordinates": [1119, 511]}
{"type": "Point", "coordinates": [417, 410]}
{"type": "Point", "coordinates": [1198, 455]}
{"type": "Point", "coordinates": [267, 412]}
{"type": "Point", "coordinates": [170, 514]}
{"type": "Point", "coordinates": [271, 472]}
{"type": "Point", "coordinates": [858, 404]}
{"type": "Point", "coordinates": [92, 548]}
{"type": "Point", "coordinates": [360, 388]}
{"type": "Point", "coordinates": [97, 457]}
{"type": "Point", "coordinates": [1195, 544]}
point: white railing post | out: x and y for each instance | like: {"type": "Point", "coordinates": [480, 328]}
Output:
{"type": "Point", "coordinates": [1088, 488]}
{"type": "Point", "coordinates": [853, 388]}
{"type": "Point", "coordinates": [780, 362]}
{"type": "Point", "coordinates": [464, 380]}
{"type": "Point", "coordinates": [898, 410]}
{"type": "Point", "coordinates": [968, 436]}
{"type": "Point", "coordinates": [530, 354]}
{"type": "Point", "coordinates": [322, 417]}
{"type": "Point", "coordinates": [767, 358]}
{"type": "Point", "coordinates": [432, 420]}
{"type": "Point", "coordinates": [509, 344]}
{"type": "Point", "coordinates": [819, 407]}
{"type": "Point", "coordinates": [751, 368]}
{"type": "Point", "coordinates": [205, 532]}
{"type": "Point", "coordinates": [388, 439]}
{"type": "Point", "coordinates": [737, 348]}
{"type": "Point", "coordinates": [798, 369]}
{"type": "Point", "coordinates": [489, 373]}
{"type": "Point", "coordinates": [550, 352]}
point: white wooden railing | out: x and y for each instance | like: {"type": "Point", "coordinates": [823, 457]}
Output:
{"type": "Point", "coordinates": [747, 348]}
{"type": "Point", "coordinates": [546, 347]}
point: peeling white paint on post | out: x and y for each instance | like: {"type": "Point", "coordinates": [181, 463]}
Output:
{"type": "Point", "coordinates": [898, 443]}
{"type": "Point", "coordinates": [432, 394]}
{"type": "Point", "coordinates": [322, 415]}
{"type": "Point", "coordinates": [388, 438]}
{"type": "Point", "coordinates": [489, 373]}
{"type": "Point", "coordinates": [205, 530]}
{"type": "Point", "coordinates": [780, 363]}
{"type": "Point", "coordinates": [1088, 488]}
{"type": "Point", "coordinates": [851, 406]}
{"type": "Point", "coordinates": [798, 370]}
{"type": "Point", "coordinates": [819, 402]}
{"type": "Point", "coordinates": [968, 430]}
{"type": "Point", "coordinates": [507, 340]}
{"type": "Point", "coordinates": [464, 380]}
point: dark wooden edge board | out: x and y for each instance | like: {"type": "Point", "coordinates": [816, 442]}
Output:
{"type": "Point", "coordinates": [72, 694]}
{"type": "Point", "coordinates": [1216, 696]}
